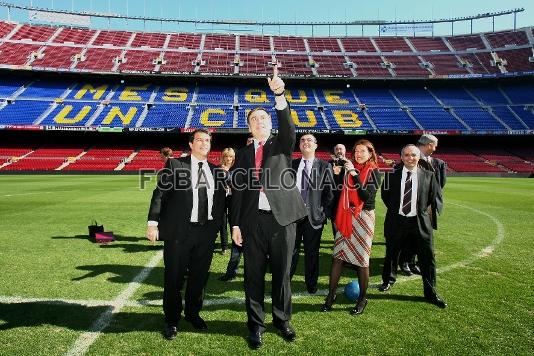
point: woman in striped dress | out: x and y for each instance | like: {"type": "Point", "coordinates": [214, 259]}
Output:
{"type": "Point", "coordinates": [355, 222]}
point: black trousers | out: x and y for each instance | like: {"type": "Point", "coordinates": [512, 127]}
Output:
{"type": "Point", "coordinates": [225, 222]}
{"type": "Point", "coordinates": [408, 234]}
{"type": "Point", "coordinates": [233, 263]}
{"type": "Point", "coordinates": [190, 256]}
{"type": "Point", "coordinates": [312, 240]}
{"type": "Point", "coordinates": [269, 243]}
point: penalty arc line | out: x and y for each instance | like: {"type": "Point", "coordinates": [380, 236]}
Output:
{"type": "Point", "coordinates": [84, 341]}
{"type": "Point", "coordinates": [87, 339]}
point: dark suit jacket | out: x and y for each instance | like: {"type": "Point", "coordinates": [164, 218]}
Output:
{"type": "Point", "coordinates": [320, 196]}
{"type": "Point", "coordinates": [439, 167]}
{"type": "Point", "coordinates": [284, 198]}
{"type": "Point", "coordinates": [427, 190]}
{"type": "Point", "coordinates": [338, 180]}
{"type": "Point", "coordinates": [172, 199]}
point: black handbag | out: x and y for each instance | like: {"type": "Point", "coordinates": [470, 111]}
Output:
{"type": "Point", "coordinates": [94, 228]}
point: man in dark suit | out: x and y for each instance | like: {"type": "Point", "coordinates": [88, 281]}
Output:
{"type": "Point", "coordinates": [338, 167]}
{"type": "Point", "coordinates": [186, 212]}
{"type": "Point", "coordinates": [265, 206]}
{"type": "Point", "coordinates": [409, 193]}
{"type": "Point", "coordinates": [427, 144]}
{"type": "Point", "coordinates": [314, 179]}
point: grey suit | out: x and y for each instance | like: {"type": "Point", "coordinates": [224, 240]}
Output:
{"type": "Point", "coordinates": [418, 230]}
{"type": "Point", "coordinates": [319, 206]}
{"type": "Point", "coordinates": [267, 234]}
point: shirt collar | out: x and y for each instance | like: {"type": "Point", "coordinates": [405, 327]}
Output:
{"type": "Point", "coordinates": [194, 161]}
{"type": "Point", "coordinates": [406, 170]}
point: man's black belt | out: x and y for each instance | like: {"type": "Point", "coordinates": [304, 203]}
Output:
{"type": "Point", "coordinates": [198, 224]}
{"type": "Point", "coordinates": [408, 218]}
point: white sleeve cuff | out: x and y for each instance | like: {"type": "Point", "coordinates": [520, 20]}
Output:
{"type": "Point", "coordinates": [281, 102]}
{"type": "Point", "coordinates": [152, 223]}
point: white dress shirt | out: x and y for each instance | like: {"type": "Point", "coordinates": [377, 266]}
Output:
{"type": "Point", "coordinates": [413, 209]}
{"type": "Point", "coordinates": [301, 168]}
{"type": "Point", "coordinates": [194, 181]}
{"type": "Point", "coordinates": [263, 203]}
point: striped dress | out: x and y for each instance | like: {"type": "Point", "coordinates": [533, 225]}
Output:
{"type": "Point", "coordinates": [356, 249]}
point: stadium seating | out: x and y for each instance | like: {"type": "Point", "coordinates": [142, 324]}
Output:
{"type": "Point", "coordinates": [103, 104]}
{"type": "Point", "coordinates": [67, 49]}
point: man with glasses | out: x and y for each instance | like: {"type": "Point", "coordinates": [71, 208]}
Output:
{"type": "Point", "coordinates": [314, 179]}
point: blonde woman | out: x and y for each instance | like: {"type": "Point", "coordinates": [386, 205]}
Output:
{"type": "Point", "coordinates": [227, 161]}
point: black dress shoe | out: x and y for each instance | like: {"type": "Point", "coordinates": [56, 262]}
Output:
{"type": "Point", "coordinates": [405, 269]}
{"type": "Point", "coordinates": [170, 331]}
{"type": "Point", "coordinates": [384, 287]}
{"type": "Point", "coordinates": [327, 306]}
{"type": "Point", "coordinates": [359, 308]}
{"type": "Point", "coordinates": [226, 278]}
{"type": "Point", "coordinates": [437, 301]}
{"type": "Point", "coordinates": [287, 332]}
{"type": "Point", "coordinates": [415, 269]}
{"type": "Point", "coordinates": [197, 322]}
{"type": "Point", "coordinates": [255, 340]}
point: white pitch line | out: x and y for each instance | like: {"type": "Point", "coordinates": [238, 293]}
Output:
{"type": "Point", "coordinates": [85, 340]}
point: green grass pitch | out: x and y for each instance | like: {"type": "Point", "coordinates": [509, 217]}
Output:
{"type": "Point", "coordinates": [55, 283]}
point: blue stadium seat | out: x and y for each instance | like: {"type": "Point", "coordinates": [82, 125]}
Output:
{"type": "Point", "coordinates": [59, 117]}
{"type": "Point", "coordinates": [508, 118]}
{"type": "Point", "coordinates": [376, 97]}
{"type": "Point", "coordinates": [212, 94]}
{"type": "Point", "coordinates": [526, 115]}
{"type": "Point", "coordinates": [166, 115]}
{"type": "Point", "coordinates": [415, 97]}
{"type": "Point", "coordinates": [308, 117]}
{"type": "Point", "coordinates": [175, 94]}
{"type": "Point", "coordinates": [436, 118]}
{"type": "Point", "coordinates": [478, 119]}
{"type": "Point", "coordinates": [454, 96]}
{"type": "Point", "coordinates": [111, 115]}
{"type": "Point", "coordinates": [22, 112]}
{"type": "Point", "coordinates": [346, 118]}
{"type": "Point", "coordinates": [45, 89]}
{"type": "Point", "coordinates": [87, 90]}
{"type": "Point", "coordinates": [10, 85]}
{"type": "Point", "coordinates": [132, 92]}
{"type": "Point", "coordinates": [213, 116]}
{"type": "Point", "coordinates": [260, 95]}
{"type": "Point", "coordinates": [336, 96]}
{"type": "Point", "coordinates": [489, 95]}
{"type": "Point", "coordinates": [520, 94]}
{"type": "Point", "coordinates": [391, 119]}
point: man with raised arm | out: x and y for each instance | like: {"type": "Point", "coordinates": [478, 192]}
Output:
{"type": "Point", "coordinates": [266, 204]}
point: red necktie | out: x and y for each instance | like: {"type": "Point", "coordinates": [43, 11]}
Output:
{"type": "Point", "coordinates": [259, 158]}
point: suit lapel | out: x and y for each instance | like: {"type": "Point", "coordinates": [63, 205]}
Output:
{"type": "Point", "coordinates": [420, 184]}
{"type": "Point", "coordinates": [314, 172]}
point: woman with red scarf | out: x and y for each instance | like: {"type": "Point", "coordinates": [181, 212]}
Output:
{"type": "Point", "coordinates": [355, 222]}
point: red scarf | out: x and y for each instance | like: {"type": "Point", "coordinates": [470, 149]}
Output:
{"type": "Point", "coordinates": [349, 197]}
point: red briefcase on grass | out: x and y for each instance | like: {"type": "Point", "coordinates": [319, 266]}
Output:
{"type": "Point", "coordinates": [104, 237]}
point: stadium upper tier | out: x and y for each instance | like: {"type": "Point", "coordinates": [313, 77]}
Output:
{"type": "Point", "coordinates": [95, 103]}
{"type": "Point", "coordinates": [42, 47]}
